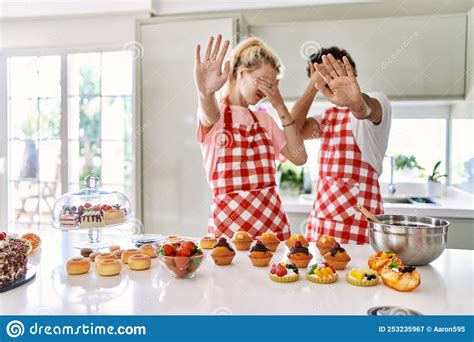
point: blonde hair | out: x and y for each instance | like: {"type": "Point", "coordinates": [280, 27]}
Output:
{"type": "Point", "coordinates": [250, 54]}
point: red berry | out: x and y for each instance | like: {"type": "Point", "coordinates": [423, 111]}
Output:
{"type": "Point", "coordinates": [259, 242]}
{"type": "Point", "coordinates": [222, 239]}
{"type": "Point", "coordinates": [87, 205]}
{"type": "Point", "coordinates": [188, 244]}
{"type": "Point", "coordinates": [81, 208]}
{"type": "Point", "coordinates": [298, 244]}
{"type": "Point", "coordinates": [169, 250]}
{"type": "Point", "coordinates": [3, 236]}
{"type": "Point", "coordinates": [273, 269]}
{"type": "Point", "coordinates": [281, 271]}
{"type": "Point", "coordinates": [184, 252]}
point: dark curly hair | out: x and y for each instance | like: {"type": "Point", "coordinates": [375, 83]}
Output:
{"type": "Point", "coordinates": [336, 52]}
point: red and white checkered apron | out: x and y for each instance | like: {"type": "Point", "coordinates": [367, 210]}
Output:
{"type": "Point", "coordinates": [243, 182]}
{"type": "Point", "coordinates": [344, 180]}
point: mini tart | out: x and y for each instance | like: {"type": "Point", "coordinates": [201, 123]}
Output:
{"type": "Point", "coordinates": [222, 253]}
{"type": "Point", "coordinates": [401, 278]}
{"type": "Point", "coordinates": [207, 242]}
{"type": "Point", "coordinates": [362, 277]}
{"type": "Point", "coordinates": [260, 255]}
{"type": "Point", "coordinates": [382, 259]}
{"type": "Point", "coordinates": [321, 273]}
{"type": "Point", "coordinates": [270, 240]}
{"type": "Point", "coordinates": [296, 237]}
{"type": "Point", "coordinates": [242, 240]}
{"type": "Point", "coordinates": [338, 258]}
{"type": "Point", "coordinates": [289, 273]}
{"type": "Point", "coordinates": [325, 243]}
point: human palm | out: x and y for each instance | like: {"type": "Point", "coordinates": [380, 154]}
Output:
{"type": "Point", "coordinates": [208, 73]}
{"type": "Point", "coordinates": [340, 85]}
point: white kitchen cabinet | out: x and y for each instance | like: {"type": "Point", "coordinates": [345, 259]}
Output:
{"type": "Point", "coordinates": [175, 196]}
{"type": "Point", "coordinates": [404, 57]}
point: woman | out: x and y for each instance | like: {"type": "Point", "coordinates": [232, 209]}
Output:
{"type": "Point", "coordinates": [239, 146]}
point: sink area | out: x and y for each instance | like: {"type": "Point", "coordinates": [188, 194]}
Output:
{"type": "Point", "coordinates": [410, 200]}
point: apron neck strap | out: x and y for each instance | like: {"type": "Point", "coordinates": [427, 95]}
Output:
{"type": "Point", "coordinates": [228, 114]}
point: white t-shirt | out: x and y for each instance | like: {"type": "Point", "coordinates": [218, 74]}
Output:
{"type": "Point", "coordinates": [373, 139]}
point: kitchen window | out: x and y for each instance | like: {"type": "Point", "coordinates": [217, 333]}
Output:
{"type": "Point", "coordinates": [50, 153]}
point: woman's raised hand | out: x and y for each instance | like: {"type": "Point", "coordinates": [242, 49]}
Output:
{"type": "Point", "coordinates": [208, 72]}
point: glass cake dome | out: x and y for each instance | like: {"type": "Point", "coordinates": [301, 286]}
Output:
{"type": "Point", "coordinates": [92, 209]}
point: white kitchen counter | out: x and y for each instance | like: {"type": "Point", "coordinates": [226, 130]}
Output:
{"type": "Point", "coordinates": [455, 204]}
{"type": "Point", "coordinates": [446, 289]}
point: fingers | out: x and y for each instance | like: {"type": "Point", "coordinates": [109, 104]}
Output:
{"type": "Point", "coordinates": [226, 71]}
{"type": "Point", "coordinates": [342, 67]}
{"type": "Point", "coordinates": [327, 63]}
{"type": "Point", "coordinates": [222, 53]}
{"type": "Point", "coordinates": [323, 88]}
{"type": "Point", "coordinates": [207, 55]}
{"type": "Point", "coordinates": [264, 81]}
{"type": "Point", "coordinates": [323, 72]}
{"type": "Point", "coordinates": [347, 64]}
{"type": "Point", "coordinates": [198, 54]}
{"type": "Point", "coordinates": [336, 66]}
{"type": "Point", "coordinates": [216, 47]}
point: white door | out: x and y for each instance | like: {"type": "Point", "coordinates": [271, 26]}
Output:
{"type": "Point", "coordinates": [176, 196]}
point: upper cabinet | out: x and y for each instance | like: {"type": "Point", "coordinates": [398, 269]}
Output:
{"type": "Point", "coordinates": [404, 57]}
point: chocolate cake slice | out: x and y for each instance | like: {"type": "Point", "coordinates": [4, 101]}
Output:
{"type": "Point", "coordinates": [13, 260]}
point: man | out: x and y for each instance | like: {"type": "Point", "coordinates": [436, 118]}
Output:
{"type": "Point", "coordinates": [354, 137]}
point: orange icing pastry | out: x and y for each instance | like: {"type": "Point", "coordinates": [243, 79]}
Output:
{"type": "Point", "coordinates": [300, 255]}
{"type": "Point", "coordinates": [242, 240]}
{"type": "Point", "coordinates": [337, 257]}
{"type": "Point", "coordinates": [270, 240]}
{"type": "Point", "coordinates": [325, 243]}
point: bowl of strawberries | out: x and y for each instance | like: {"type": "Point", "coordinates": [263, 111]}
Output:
{"type": "Point", "coordinates": [181, 257]}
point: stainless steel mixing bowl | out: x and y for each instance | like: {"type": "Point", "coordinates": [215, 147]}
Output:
{"type": "Point", "coordinates": [417, 240]}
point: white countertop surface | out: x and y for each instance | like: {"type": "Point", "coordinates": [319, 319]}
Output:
{"type": "Point", "coordinates": [454, 204]}
{"type": "Point", "coordinates": [446, 287]}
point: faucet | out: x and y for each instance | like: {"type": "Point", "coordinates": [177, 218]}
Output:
{"type": "Point", "coordinates": [391, 186]}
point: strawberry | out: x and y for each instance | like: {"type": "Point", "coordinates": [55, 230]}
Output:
{"type": "Point", "coordinates": [192, 267]}
{"type": "Point", "coordinates": [273, 269]}
{"type": "Point", "coordinates": [298, 244]}
{"type": "Point", "coordinates": [87, 205]}
{"type": "Point", "coordinates": [181, 262]}
{"type": "Point", "coordinates": [3, 236]}
{"type": "Point", "coordinates": [281, 270]}
{"type": "Point", "coordinates": [180, 272]}
{"type": "Point", "coordinates": [183, 252]}
{"type": "Point", "coordinates": [188, 244]}
{"type": "Point", "coordinates": [168, 250]}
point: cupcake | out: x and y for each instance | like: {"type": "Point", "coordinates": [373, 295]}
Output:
{"type": "Point", "coordinates": [207, 242]}
{"type": "Point", "coordinates": [325, 243]}
{"type": "Point", "coordinates": [270, 240]}
{"type": "Point", "coordinates": [242, 240]}
{"type": "Point", "coordinates": [260, 255]}
{"type": "Point", "coordinates": [382, 259]}
{"type": "Point", "coordinates": [300, 255]}
{"type": "Point", "coordinates": [322, 273]}
{"type": "Point", "coordinates": [362, 277]}
{"type": "Point", "coordinates": [296, 237]}
{"type": "Point", "coordinates": [401, 278]}
{"type": "Point", "coordinates": [337, 257]}
{"type": "Point", "coordinates": [222, 253]}
{"type": "Point", "coordinates": [284, 273]}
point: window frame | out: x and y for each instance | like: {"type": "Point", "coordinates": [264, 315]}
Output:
{"type": "Point", "coordinates": [5, 184]}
